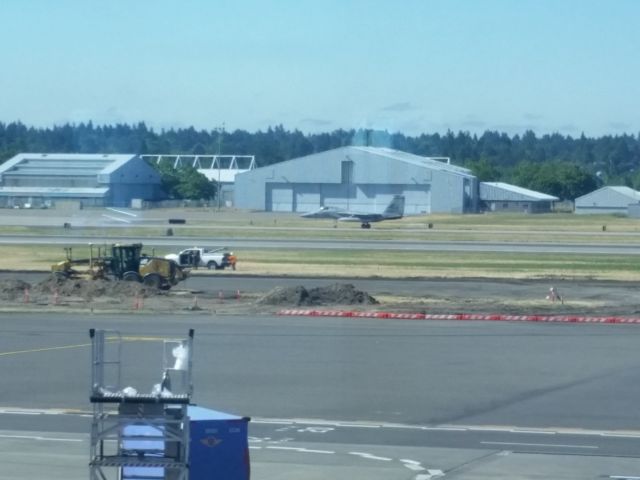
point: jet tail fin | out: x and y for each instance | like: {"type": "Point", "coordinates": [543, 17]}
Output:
{"type": "Point", "coordinates": [396, 207]}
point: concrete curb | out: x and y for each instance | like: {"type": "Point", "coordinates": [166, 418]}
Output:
{"type": "Point", "coordinates": [458, 316]}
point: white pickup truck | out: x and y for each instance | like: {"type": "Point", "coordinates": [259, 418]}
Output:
{"type": "Point", "coordinates": [217, 258]}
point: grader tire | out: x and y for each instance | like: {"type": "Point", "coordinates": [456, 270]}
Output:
{"type": "Point", "coordinates": [131, 277]}
{"type": "Point", "coordinates": [153, 280]}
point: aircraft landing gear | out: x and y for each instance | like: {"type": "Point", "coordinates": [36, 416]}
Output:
{"type": "Point", "coordinates": [365, 225]}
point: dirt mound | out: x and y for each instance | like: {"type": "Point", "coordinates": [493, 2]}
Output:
{"type": "Point", "coordinates": [286, 296]}
{"type": "Point", "coordinates": [11, 289]}
{"type": "Point", "coordinates": [336, 294]}
{"type": "Point", "coordinates": [340, 294]}
{"type": "Point", "coordinates": [89, 289]}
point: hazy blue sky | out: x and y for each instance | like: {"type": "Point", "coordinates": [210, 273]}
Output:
{"type": "Point", "coordinates": [405, 65]}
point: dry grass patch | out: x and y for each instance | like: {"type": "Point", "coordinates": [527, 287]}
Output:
{"type": "Point", "coordinates": [30, 257]}
{"type": "Point", "coordinates": [401, 264]}
{"type": "Point", "coordinates": [382, 263]}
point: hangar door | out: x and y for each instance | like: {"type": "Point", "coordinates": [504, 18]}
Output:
{"type": "Point", "coordinates": [279, 197]}
{"type": "Point", "coordinates": [307, 197]}
{"type": "Point", "coordinates": [417, 199]}
{"type": "Point", "coordinates": [375, 198]}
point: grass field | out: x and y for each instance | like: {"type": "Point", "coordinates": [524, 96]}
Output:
{"type": "Point", "coordinates": [203, 225]}
{"type": "Point", "coordinates": [376, 263]}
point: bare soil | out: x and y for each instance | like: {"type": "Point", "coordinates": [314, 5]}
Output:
{"type": "Point", "coordinates": [79, 293]}
{"type": "Point", "coordinates": [519, 297]}
{"type": "Point", "coordinates": [116, 295]}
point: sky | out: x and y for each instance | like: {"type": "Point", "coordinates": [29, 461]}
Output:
{"type": "Point", "coordinates": [410, 66]}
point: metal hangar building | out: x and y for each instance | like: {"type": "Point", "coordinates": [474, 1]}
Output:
{"type": "Point", "coordinates": [503, 197]}
{"type": "Point", "coordinates": [363, 179]}
{"type": "Point", "coordinates": [42, 179]}
{"type": "Point", "coordinates": [611, 199]}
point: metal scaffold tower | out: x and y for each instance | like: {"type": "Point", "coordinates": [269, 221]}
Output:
{"type": "Point", "coordinates": [139, 436]}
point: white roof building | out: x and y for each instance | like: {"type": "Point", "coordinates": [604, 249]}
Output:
{"type": "Point", "coordinates": [499, 196]}
{"type": "Point", "coordinates": [91, 179]}
{"type": "Point", "coordinates": [505, 191]}
{"type": "Point", "coordinates": [614, 199]}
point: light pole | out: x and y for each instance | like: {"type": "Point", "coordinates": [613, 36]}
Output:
{"type": "Point", "coordinates": [220, 133]}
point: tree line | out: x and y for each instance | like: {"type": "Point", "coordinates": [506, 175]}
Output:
{"type": "Point", "coordinates": [556, 164]}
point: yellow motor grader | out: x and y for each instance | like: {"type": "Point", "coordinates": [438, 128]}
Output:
{"type": "Point", "coordinates": [121, 262]}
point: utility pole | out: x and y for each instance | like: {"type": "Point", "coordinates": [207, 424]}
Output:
{"type": "Point", "coordinates": [220, 133]}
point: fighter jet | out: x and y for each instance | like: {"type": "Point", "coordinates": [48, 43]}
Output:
{"type": "Point", "coordinates": [394, 211]}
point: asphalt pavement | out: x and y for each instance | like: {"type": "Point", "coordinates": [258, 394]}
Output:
{"type": "Point", "coordinates": [327, 244]}
{"type": "Point", "coordinates": [409, 372]}
{"type": "Point", "coordinates": [351, 398]}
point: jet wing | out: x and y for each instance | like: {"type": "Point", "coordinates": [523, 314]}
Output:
{"type": "Point", "coordinates": [325, 212]}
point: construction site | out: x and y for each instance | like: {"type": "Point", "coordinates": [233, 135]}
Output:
{"type": "Point", "coordinates": [204, 294]}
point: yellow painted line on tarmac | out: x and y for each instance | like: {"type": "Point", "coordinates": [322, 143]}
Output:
{"type": "Point", "coordinates": [46, 349]}
{"type": "Point", "coordinates": [82, 345]}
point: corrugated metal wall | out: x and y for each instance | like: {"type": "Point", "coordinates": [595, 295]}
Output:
{"type": "Point", "coordinates": [604, 201]}
{"type": "Point", "coordinates": [518, 207]}
{"type": "Point", "coordinates": [134, 179]}
{"type": "Point", "coordinates": [361, 198]}
{"type": "Point", "coordinates": [634, 210]}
